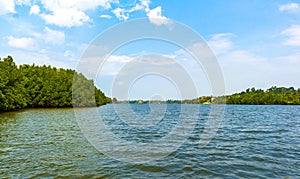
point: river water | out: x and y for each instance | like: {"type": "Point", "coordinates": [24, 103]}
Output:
{"type": "Point", "coordinates": [252, 142]}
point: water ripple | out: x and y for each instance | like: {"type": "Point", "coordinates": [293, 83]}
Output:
{"type": "Point", "coordinates": [253, 142]}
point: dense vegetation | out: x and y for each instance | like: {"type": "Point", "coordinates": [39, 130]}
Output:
{"type": "Point", "coordinates": [273, 95]}
{"type": "Point", "coordinates": [31, 86]}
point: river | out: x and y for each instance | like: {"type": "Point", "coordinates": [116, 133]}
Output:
{"type": "Point", "coordinates": [252, 141]}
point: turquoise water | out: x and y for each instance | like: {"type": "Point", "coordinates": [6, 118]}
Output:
{"type": "Point", "coordinates": [252, 142]}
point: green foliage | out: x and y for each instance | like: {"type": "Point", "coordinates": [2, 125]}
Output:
{"type": "Point", "coordinates": [273, 95]}
{"type": "Point", "coordinates": [45, 86]}
{"type": "Point", "coordinates": [11, 86]}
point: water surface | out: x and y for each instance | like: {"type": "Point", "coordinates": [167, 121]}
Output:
{"type": "Point", "coordinates": [253, 142]}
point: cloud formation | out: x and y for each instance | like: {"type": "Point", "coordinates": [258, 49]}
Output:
{"type": "Point", "coordinates": [66, 13]}
{"type": "Point", "coordinates": [156, 17]}
{"type": "Point", "coordinates": [34, 10]}
{"type": "Point", "coordinates": [105, 16]}
{"type": "Point", "coordinates": [67, 17]}
{"type": "Point", "coordinates": [53, 36]}
{"type": "Point", "coordinates": [120, 13]}
{"type": "Point", "coordinates": [220, 43]}
{"type": "Point", "coordinates": [290, 7]}
{"type": "Point", "coordinates": [124, 14]}
{"type": "Point", "coordinates": [49, 36]}
{"type": "Point", "coordinates": [72, 13]}
{"type": "Point", "coordinates": [293, 35]}
{"type": "Point", "coordinates": [7, 6]}
{"type": "Point", "coordinates": [23, 43]}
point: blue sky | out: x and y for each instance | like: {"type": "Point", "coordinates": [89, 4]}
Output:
{"type": "Point", "coordinates": [257, 43]}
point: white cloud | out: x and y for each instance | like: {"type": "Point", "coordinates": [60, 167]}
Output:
{"type": "Point", "coordinates": [68, 13]}
{"type": "Point", "coordinates": [43, 51]}
{"type": "Point", "coordinates": [146, 3]}
{"type": "Point", "coordinates": [220, 43]}
{"type": "Point", "coordinates": [24, 43]}
{"type": "Point", "coordinates": [66, 17]}
{"type": "Point", "coordinates": [53, 36]}
{"type": "Point", "coordinates": [293, 59]}
{"type": "Point", "coordinates": [105, 16]}
{"type": "Point", "coordinates": [242, 57]}
{"type": "Point", "coordinates": [290, 7]}
{"type": "Point", "coordinates": [23, 2]}
{"type": "Point", "coordinates": [156, 17]}
{"type": "Point", "coordinates": [7, 6]}
{"type": "Point", "coordinates": [119, 59]}
{"type": "Point", "coordinates": [30, 43]}
{"type": "Point", "coordinates": [90, 66]}
{"type": "Point", "coordinates": [293, 34]}
{"type": "Point", "coordinates": [38, 58]}
{"type": "Point", "coordinates": [121, 14]}
{"type": "Point", "coordinates": [243, 69]}
{"type": "Point", "coordinates": [137, 7]}
{"type": "Point", "coordinates": [112, 65]}
{"type": "Point", "coordinates": [69, 54]}
{"type": "Point", "coordinates": [81, 5]}
{"type": "Point", "coordinates": [34, 10]}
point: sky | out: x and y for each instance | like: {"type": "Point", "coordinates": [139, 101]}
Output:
{"type": "Point", "coordinates": [256, 43]}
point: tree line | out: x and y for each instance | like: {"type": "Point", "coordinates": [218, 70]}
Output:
{"type": "Point", "coordinates": [273, 95]}
{"type": "Point", "coordinates": [31, 86]}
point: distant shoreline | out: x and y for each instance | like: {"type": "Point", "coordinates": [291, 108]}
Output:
{"type": "Point", "coordinates": [45, 108]}
{"type": "Point", "coordinates": [251, 96]}
{"type": "Point", "coordinates": [31, 86]}
{"type": "Point", "coordinates": [147, 102]}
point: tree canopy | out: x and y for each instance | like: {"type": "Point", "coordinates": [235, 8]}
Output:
{"type": "Point", "coordinates": [273, 95]}
{"type": "Point", "coordinates": [31, 86]}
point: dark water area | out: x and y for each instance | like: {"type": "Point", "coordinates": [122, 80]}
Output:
{"type": "Point", "coordinates": [252, 142]}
